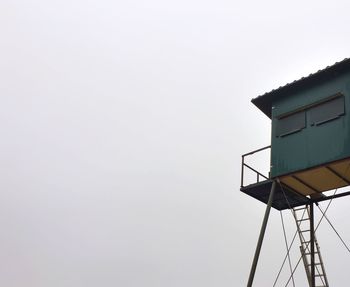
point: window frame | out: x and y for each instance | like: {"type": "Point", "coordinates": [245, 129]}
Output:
{"type": "Point", "coordinates": [307, 112]}
{"type": "Point", "coordinates": [299, 126]}
{"type": "Point", "coordinates": [338, 111]}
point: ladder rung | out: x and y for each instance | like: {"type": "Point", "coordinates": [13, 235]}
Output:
{"type": "Point", "coordinates": [303, 219]}
{"type": "Point", "coordinates": [305, 246]}
{"type": "Point", "coordinates": [318, 263]}
{"type": "Point", "coordinates": [309, 253]}
{"type": "Point", "coordinates": [301, 208]}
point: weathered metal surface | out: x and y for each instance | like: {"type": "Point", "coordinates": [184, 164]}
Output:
{"type": "Point", "coordinates": [313, 144]}
{"type": "Point", "coordinates": [284, 197]}
{"type": "Point", "coordinates": [264, 102]}
{"type": "Point", "coordinates": [310, 133]}
{"type": "Point", "coordinates": [261, 236]}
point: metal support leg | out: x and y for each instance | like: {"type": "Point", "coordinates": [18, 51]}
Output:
{"type": "Point", "coordinates": [312, 242]}
{"type": "Point", "coordinates": [261, 236]}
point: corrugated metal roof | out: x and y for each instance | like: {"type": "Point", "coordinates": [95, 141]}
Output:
{"type": "Point", "coordinates": [264, 102]}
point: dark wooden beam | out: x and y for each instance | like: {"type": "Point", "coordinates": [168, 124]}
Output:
{"type": "Point", "coordinates": [338, 174]}
{"type": "Point", "coordinates": [306, 184]}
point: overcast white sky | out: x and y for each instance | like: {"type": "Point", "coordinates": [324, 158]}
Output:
{"type": "Point", "coordinates": [122, 125]}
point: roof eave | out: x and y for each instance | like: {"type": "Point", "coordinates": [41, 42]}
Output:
{"type": "Point", "coordinates": [264, 102]}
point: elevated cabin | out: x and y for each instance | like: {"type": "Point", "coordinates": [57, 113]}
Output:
{"type": "Point", "coordinates": [310, 137]}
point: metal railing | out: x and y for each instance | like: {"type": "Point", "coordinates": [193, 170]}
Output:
{"type": "Point", "coordinates": [244, 165]}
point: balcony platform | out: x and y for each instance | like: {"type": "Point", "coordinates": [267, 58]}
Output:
{"type": "Point", "coordinates": [284, 197]}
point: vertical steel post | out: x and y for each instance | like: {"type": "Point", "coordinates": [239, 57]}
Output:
{"type": "Point", "coordinates": [312, 242]}
{"type": "Point", "coordinates": [261, 236]}
{"type": "Point", "coordinates": [242, 171]}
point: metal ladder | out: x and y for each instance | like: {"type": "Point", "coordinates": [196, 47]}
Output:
{"type": "Point", "coordinates": [302, 219]}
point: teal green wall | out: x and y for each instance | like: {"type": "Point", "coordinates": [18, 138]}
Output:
{"type": "Point", "coordinates": [314, 145]}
